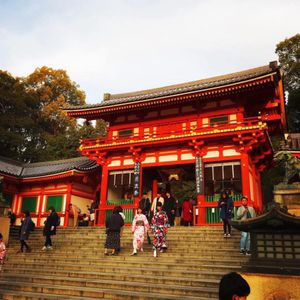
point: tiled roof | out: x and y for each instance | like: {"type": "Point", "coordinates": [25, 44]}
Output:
{"type": "Point", "coordinates": [177, 89]}
{"type": "Point", "coordinates": [17, 169]}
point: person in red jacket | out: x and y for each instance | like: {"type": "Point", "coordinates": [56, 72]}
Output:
{"type": "Point", "coordinates": [187, 212]}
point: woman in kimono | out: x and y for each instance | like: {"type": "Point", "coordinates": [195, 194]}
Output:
{"type": "Point", "coordinates": [140, 227]}
{"type": "Point", "coordinates": [160, 225]}
{"type": "Point", "coordinates": [2, 251]}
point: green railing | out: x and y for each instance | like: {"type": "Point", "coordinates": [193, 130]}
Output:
{"type": "Point", "coordinates": [215, 198]}
{"type": "Point", "coordinates": [128, 212]}
{"type": "Point", "coordinates": [213, 214]}
{"type": "Point", "coordinates": [119, 201]}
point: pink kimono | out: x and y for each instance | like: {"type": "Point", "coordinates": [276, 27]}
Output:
{"type": "Point", "coordinates": [140, 226]}
{"type": "Point", "coordinates": [2, 253]}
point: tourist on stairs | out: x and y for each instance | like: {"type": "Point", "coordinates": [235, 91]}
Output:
{"type": "Point", "coordinates": [160, 225]}
{"type": "Point", "coordinates": [226, 205]}
{"type": "Point", "coordinates": [156, 200]}
{"type": "Point", "coordinates": [2, 252]}
{"type": "Point", "coordinates": [25, 229]}
{"type": "Point", "coordinates": [245, 212]}
{"type": "Point", "coordinates": [50, 227]}
{"type": "Point", "coordinates": [169, 207]}
{"type": "Point", "coordinates": [113, 227]}
{"type": "Point", "coordinates": [140, 227]}
{"type": "Point", "coordinates": [74, 211]}
{"type": "Point", "coordinates": [187, 212]}
{"type": "Point", "coordinates": [145, 204]}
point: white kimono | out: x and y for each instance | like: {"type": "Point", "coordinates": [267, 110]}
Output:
{"type": "Point", "coordinates": [140, 226]}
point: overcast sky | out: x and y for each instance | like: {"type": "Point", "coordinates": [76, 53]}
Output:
{"type": "Point", "coordinates": [122, 46]}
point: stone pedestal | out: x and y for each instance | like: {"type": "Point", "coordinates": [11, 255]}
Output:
{"type": "Point", "coordinates": [289, 195]}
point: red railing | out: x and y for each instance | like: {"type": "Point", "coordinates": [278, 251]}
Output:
{"type": "Point", "coordinates": [172, 128]}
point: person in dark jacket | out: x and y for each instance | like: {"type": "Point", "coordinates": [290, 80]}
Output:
{"type": "Point", "coordinates": [25, 231]}
{"type": "Point", "coordinates": [226, 205]}
{"type": "Point", "coordinates": [50, 228]}
{"type": "Point", "coordinates": [113, 228]}
{"type": "Point", "coordinates": [12, 217]}
{"type": "Point", "coordinates": [169, 208]}
{"type": "Point", "coordinates": [145, 205]}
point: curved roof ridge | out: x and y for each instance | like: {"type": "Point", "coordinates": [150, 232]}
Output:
{"type": "Point", "coordinates": [181, 88]}
{"type": "Point", "coordinates": [26, 170]}
{"type": "Point", "coordinates": [210, 80]}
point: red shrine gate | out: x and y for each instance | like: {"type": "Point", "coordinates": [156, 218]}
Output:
{"type": "Point", "coordinates": [220, 126]}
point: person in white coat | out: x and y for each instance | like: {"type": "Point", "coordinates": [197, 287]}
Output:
{"type": "Point", "coordinates": [157, 199]}
{"type": "Point", "coordinates": [245, 212]}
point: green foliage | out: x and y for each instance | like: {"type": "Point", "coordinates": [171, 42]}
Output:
{"type": "Point", "coordinates": [33, 127]}
{"type": "Point", "coordinates": [289, 58]}
{"type": "Point", "coordinates": [293, 110]}
{"type": "Point", "coordinates": [269, 178]}
{"type": "Point", "coordinates": [17, 119]}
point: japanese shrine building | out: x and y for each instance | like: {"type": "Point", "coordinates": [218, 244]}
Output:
{"type": "Point", "coordinates": [214, 133]}
{"type": "Point", "coordinates": [37, 186]}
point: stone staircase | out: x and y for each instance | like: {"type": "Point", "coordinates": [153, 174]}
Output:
{"type": "Point", "coordinates": [77, 269]}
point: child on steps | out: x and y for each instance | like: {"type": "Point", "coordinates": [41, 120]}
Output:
{"type": "Point", "coordinates": [2, 252]}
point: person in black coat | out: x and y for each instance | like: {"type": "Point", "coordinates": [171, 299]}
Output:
{"type": "Point", "coordinates": [50, 227]}
{"type": "Point", "coordinates": [145, 205]}
{"type": "Point", "coordinates": [113, 224]}
{"type": "Point", "coordinates": [170, 207]}
{"type": "Point", "coordinates": [25, 231]}
{"type": "Point", "coordinates": [226, 211]}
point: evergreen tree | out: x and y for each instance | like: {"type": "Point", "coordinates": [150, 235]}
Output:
{"type": "Point", "coordinates": [33, 126]}
{"type": "Point", "coordinates": [289, 58]}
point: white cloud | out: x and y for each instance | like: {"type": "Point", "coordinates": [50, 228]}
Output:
{"type": "Point", "coordinates": [120, 46]}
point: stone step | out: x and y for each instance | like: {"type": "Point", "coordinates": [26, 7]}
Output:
{"type": "Point", "coordinates": [123, 257]}
{"type": "Point", "coordinates": [141, 292]}
{"type": "Point", "coordinates": [77, 269]}
{"type": "Point", "coordinates": [128, 239]}
{"type": "Point", "coordinates": [179, 286]}
{"type": "Point", "coordinates": [184, 248]}
{"type": "Point", "coordinates": [17, 295]}
{"type": "Point", "coordinates": [167, 256]}
{"type": "Point", "coordinates": [149, 275]}
{"type": "Point", "coordinates": [160, 267]}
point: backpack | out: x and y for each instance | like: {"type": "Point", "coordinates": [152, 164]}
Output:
{"type": "Point", "coordinates": [31, 226]}
{"type": "Point", "coordinates": [58, 221]}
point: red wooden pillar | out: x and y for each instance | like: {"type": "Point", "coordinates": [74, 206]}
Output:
{"type": "Point", "coordinates": [103, 195]}
{"type": "Point", "coordinates": [245, 174]}
{"type": "Point", "coordinates": [259, 192]}
{"type": "Point", "coordinates": [68, 201]}
{"type": "Point", "coordinates": [154, 188]}
{"type": "Point", "coordinates": [42, 195]}
{"type": "Point", "coordinates": [199, 150]}
{"type": "Point", "coordinates": [15, 204]}
{"type": "Point", "coordinates": [104, 161]}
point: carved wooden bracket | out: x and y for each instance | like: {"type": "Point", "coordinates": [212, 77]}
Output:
{"type": "Point", "coordinates": [198, 148]}
{"type": "Point", "coordinates": [137, 154]}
